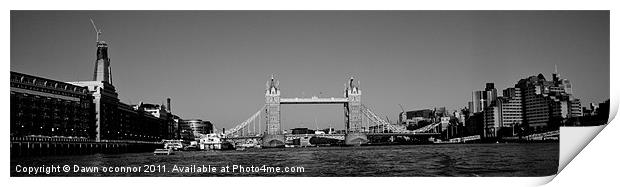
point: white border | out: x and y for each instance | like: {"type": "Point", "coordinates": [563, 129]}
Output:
{"type": "Point", "coordinates": [596, 165]}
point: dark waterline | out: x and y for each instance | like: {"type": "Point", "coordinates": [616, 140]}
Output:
{"type": "Point", "coordinates": [536, 159]}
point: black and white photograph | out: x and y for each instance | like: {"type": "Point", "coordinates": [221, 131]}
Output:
{"type": "Point", "coordinates": [302, 93]}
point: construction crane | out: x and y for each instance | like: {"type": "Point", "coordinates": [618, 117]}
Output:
{"type": "Point", "coordinates": [98, 31]}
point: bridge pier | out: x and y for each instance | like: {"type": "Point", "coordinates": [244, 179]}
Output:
{"type": "Point", "coordinates": [273, 141]}
{"type": "Point", "coordinates": [355, 139]}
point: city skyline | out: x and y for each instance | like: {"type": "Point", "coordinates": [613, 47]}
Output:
{"type": "Point", "coordinates": [488, 47]}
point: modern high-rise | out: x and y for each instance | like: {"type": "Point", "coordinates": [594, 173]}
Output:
{"type": "Point", "coordinates": [490, 94]}
{"type": "Point", "coordinates": [575, 108]}
{"type": "Point", "coordinates": [512, 107]}
{"type": "Point", "coordinates": [477, 102]}
{"type": "Point", "coordinates": [504, 113]}
{"type": "Point", "coordinates": [103, 72]}
{"type": "Point", "coordinates": [546, 102]}
{"type": "Point", "coordinates": [482, 99]}
{"type": "Point", "coordinates": [534, 102]}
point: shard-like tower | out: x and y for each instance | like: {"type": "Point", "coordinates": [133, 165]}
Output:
{"type": "Point", "coordinates": [102, 64]}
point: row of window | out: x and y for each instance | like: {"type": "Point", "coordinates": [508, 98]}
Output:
{"type": "Point", "coordinates": [78, 93]}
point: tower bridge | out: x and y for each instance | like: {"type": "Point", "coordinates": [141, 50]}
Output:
{"type": "Point", "coordinates": [354, 112]}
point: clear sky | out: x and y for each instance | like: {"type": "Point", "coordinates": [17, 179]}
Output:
{"type": "Point", "coordinates": [214, 64]}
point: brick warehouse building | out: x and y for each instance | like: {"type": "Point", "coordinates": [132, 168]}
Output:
{"type": "Point", "coordinates": [46, 107]}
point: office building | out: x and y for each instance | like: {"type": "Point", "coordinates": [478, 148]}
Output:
{"type": "Point", "coordinates": [547, 104]}
{"type": "Point", "coordinates": [482, 99]}
{"type": "Point", "coordinates": [418, 118]}
{"type": "Point", "coordinates": [194, 129]}
{"type": "Point", "coordinates": [490, 94]}
{"type": "Point", "coordinates": [534, 103]}
{"type": "Point", "coordinates": [477, 102]}
{"type": "Point", "coordinates": [504, 114]}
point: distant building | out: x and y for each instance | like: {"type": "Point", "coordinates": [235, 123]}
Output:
{"type": "Point", "coordinates": [505, 113]}
{"type": "Point", "coordinates": [575, 108]}
{"type": "Point", "coordinates": [591, 111]}
{"type": "Point", "coordinates": [445, 121]}
{"type": "Point", "coordinates": [490, 94]}
{"type": "Point", "coordinates": [482, 99]}
{"type": "Point", "coordinates": [512, 107]}
{"type": "Point", "coordinates": [603, 111]}
{"type": "Point", "coordinates": [534, 103]}
{"type": "Point", "coordinates": [474, 124]}
{"type": "Point", "coordinates": [440, 112]}
{"type": "Point", "coordinates": [165, 120]}
{"type": "Point", "coordinates": [414, 116]}
{"type": "Point", "coordinates": [194, 128]}
{"type": "Point", "coordinates": [597, 114]}
{"type": "Point", "coordinates": [156, 110]}
{"type": "Point", "coordinates": [547, 103]}
{"type": "Point", "coordinates": [477, 102]}
{"type": "Point", "coordinates": [460, 117]}
{"type": "Point", "coordinates": [175, 127]}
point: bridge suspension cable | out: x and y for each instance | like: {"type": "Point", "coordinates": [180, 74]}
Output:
{"type": "Point", "coordinates": [382, 126]}
{"type": "Point", "coordinates": [429, 128]}
{"type": "Point", "coordinates": [248, 127]}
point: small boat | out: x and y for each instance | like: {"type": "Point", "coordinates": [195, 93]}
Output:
{"type": "Point", "coordinates": [190, 148]}
{"type": "Point", "coordinates": [248, 145]}
{"type": "Point", "coordinates": [227, 146]}
{"type": "Point", "coordinates": [163, 152]}
{"type": "Point", "coordinates": [173, 144]}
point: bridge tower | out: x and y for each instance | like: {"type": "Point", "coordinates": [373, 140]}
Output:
{"type": "Point", "coordinates": [273, 136]}
{"type": "Point", "coordinates": [353, 114]}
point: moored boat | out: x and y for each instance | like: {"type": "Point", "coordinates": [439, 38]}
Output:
{"type": "Point", "coordinates": [163, 152]}
{"type": "Point", "coordinates": [173, 144]}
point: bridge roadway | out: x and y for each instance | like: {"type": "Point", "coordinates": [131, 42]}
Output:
{"type": "Point", "coordinates": [314, 100]}
{"type": "Point", "coordinates": [336, 136]}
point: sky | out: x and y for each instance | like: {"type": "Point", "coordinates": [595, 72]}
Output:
{"type": "Point", "coordinates": [214, 64]}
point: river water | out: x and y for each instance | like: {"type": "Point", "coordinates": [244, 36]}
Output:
{"type": "Point", "coordinates": [534, 159]}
